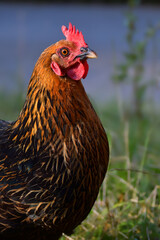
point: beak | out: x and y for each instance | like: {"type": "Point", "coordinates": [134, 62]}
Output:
{"type": "Point", "coordinates": [86, 53]}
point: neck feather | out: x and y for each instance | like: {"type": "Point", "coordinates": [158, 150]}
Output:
{"type": "Point", "coordinates": [49, 111]}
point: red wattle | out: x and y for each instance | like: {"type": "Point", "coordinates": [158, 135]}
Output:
{"type": "Point", "coordinates": [86, 66]}
{"type": "Point", "coordinates": [78, 70]}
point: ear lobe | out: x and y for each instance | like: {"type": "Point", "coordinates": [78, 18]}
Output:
{"type": "Point", "coordinates": [55, 67]}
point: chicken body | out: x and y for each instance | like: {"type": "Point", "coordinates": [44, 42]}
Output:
{"type": "Point", "coordinates": [53, 159]}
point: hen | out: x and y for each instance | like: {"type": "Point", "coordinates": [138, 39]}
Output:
{"type": "Point", "coordinates": [53, 159]}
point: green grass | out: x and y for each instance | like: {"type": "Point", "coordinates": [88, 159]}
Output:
{"type": "Point", "coordinates": [11, 105]}
{"type": "Point", "coordinates": [128, 205]}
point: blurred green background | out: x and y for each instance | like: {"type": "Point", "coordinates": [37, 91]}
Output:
{"type": "Point", "coordinates": [124, 87]}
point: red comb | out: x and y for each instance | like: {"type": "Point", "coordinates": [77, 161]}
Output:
{"type": "Point", "coordinates": [73, 35]}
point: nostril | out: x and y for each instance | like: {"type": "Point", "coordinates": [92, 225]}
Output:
{"type": "Point", "coordinates": [84, 49]}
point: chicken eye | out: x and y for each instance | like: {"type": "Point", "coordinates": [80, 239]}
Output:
{"type": "Point", "coordinates": [64, 52]}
